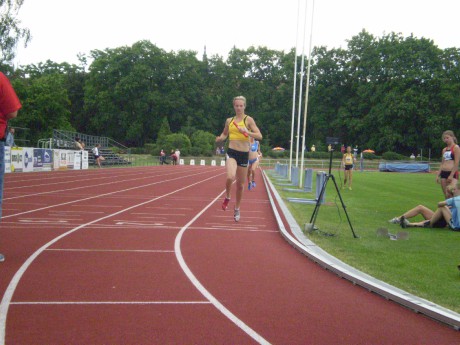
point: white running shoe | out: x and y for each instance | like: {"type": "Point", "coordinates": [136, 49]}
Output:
{"type": "Point", "coordinates": [395, 220]}
{"type": "Point", "coordinates": [236, 215]}
{"type": "Point", "coordinates": [2, 258]}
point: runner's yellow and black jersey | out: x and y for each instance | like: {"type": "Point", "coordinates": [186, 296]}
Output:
{"type": "Point", "coordinates": [234, 133]}
{"type": "Point", "coordinates": [348, 158]}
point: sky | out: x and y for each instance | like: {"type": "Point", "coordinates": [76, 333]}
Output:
{"type": "Point", "coordinates": [61, 29]}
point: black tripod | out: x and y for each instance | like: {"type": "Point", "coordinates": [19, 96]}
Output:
{"type": "Point", "coordinates": [323, 190]}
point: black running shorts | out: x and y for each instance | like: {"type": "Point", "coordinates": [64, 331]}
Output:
{"type": "Point", "coordinates": [241, 158]}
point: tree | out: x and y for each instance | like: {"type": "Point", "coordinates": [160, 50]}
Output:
{"type": "Point", "coordinates": [10, 31]}
{"type": "Point", "coordinates": [175, 141]}
{"type": "Point", "coordinates": [45, 106]}
{"type": "Point", "coordinates": [203, 142]}
{"type": "Point", "coordinates": [164, 129]}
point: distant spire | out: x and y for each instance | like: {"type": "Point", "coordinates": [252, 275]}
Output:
{"type": "Point", "coordinates": [205, 56]}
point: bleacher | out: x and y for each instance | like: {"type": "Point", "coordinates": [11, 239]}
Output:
{"type": "Point", "coordinates": [111, 158]}
{"type": "Point", "coordinates": [109, 147]}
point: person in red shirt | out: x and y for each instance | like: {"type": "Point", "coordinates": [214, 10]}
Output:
{"type": "Point", "coordinates": [9, 106]}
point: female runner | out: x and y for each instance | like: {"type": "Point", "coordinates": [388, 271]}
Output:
{"type": "Point", "coordinates": [448, 171]}
{"type": "Point", "coordinates": [239, 129]}
{"type": "Point", "coordinates": [254, 156]}
{"type": "Point", "coordinates": [347, 161]}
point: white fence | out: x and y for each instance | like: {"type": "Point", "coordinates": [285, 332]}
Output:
{"type": "Point", "coordinates": [28, 159]}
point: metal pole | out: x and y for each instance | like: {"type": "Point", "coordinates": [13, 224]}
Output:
{"type": "Point", "coordinates": [301, 87]}
{"type": "Point", "coordinates": [306, 97]}
{"type": "Point", "coordinates": [294, 90]}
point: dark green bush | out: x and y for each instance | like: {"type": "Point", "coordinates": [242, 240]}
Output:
{"type": "Point", "coordinates": [393, 156]}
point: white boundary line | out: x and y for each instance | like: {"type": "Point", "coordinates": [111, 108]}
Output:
{"type": "Point", "coordinates": [232, 317]}
{"type": "Point", "coordinates": [9, 292]}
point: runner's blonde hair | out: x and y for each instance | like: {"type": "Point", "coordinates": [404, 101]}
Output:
{"type": "Point", "coordinates": [240, 98]}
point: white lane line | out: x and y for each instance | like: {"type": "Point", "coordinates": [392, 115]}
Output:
{"type": "Point", "coordinates": [109, 302]}
{"type": "Point", "coordinates": [99, 196]}
{"type": "Point", "coordinates": [232, 317]}
{"type": "Point", "coordinates": [108, 250]}
{"type": "Point", "coordinates": [66, 181]}
{"type": "Point", "coordinates": [9, 292]}
{"type": "Point", "coordinates": [52, 221]}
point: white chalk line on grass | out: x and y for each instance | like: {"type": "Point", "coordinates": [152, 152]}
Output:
{"type": "Point", "coordinates": [8, 295]}
{"type": "Point", "coordinates": [232, 317]}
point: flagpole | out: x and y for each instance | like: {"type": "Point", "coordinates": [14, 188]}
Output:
{"type": "Point", "coordinates": [301, 85]}
{"type": "Point", "coordinates": [306, 97]}
{"type": "Point", "coordinates": [294, 90]}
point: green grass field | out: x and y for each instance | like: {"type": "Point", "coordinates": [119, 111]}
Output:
{"type": "Point", "coordinates": [424, 265]}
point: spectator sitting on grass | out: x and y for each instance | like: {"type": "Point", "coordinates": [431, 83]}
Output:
{"type": "Point", "coordinates": [447, 213]}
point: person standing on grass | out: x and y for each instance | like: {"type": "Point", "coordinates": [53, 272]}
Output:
{"type": "Point", "coordinates": [9, 106]}
{"type": "Point", "coordinates": [448, 170]}
{"type": "Point", "coordinates": [347, 162]}
{"type": "Point", "coordinates": [238, 129]}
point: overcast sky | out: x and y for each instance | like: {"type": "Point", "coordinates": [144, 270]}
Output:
{"type": "Point", "coordinates": [63, 28]}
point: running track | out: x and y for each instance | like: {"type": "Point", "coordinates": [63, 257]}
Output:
{"type": "Point", "coordinates": [146, 256]}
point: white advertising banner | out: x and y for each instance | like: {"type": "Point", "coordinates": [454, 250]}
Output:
{"type": "Point", "coordinates": [84, 160]}
{"type": "Point", "coordinates": [77, 160]}
{"type": "Point", "coordinates": [28, 159]}
{"type": "Point", "coordinates": [16, 159]}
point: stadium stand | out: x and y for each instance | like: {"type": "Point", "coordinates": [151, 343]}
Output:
{"type": "Point", "coordinates": [110, 149]}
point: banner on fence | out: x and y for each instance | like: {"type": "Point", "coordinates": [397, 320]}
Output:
{"type": "Point", "coordinates": [77, 160]}
{"type": "Point", "coordinates": [48, 160]}
{"type": "Point", "coordinates": [16, 159]}
{"type": "Point", "coordinates": [7, 159]}
{"type": "Point", "coordinates": [84, 160]}
{"type": "Point", "coordinates": [28, 159]}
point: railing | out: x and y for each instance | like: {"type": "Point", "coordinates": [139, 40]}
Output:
{"type": "Point", "coordinates": [66, 139]}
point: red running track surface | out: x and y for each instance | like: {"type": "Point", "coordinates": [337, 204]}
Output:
{"type": "Point", "coordinates": [147, 256]}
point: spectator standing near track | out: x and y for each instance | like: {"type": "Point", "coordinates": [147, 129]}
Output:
{"type": "Point", "coordinates": [238, 129]}
{"type": "Point", "coordinates": [162, 157]}
{"type": "Point", "coordinates": [448, 170]}
{"type": "Point", "coordinates": [173, 157]}
{"type": "Point", "coordinates": [10, 138]}
{"type": "Point", "coordinates": [177, 153]}
{"type": "Point", "coordinates": [9, 106]}
{"type": "Point", "coordinates": [97, 155]}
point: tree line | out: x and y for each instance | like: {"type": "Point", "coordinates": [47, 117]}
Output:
{"type": "Point", "coordinates": [389, 93]}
